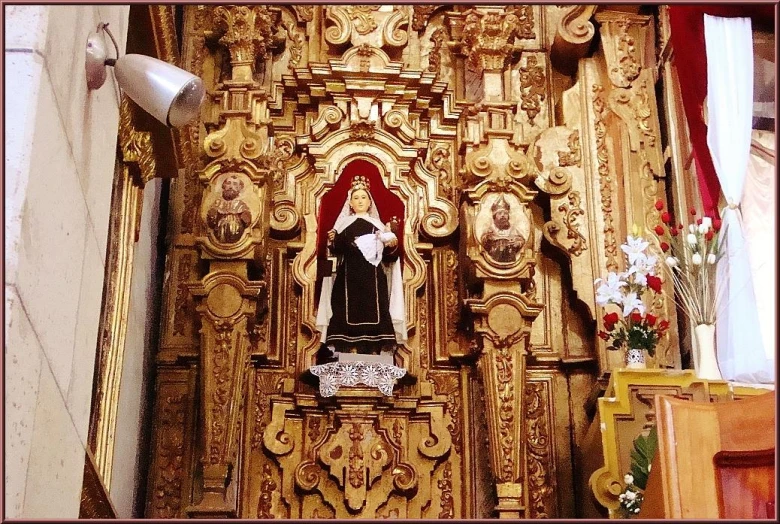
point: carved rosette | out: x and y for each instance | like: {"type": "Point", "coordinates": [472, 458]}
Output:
{"type": "Point", "coordinates": [225, 303]}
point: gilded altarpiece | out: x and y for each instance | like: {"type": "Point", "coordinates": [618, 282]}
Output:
{"type": "Point", "coordinates": [513, 185]}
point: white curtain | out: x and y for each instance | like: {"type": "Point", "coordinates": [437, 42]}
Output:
{"type": "Point", "coordinates": [758, 220]}
{"type": "Point", "coordinates": [729, 44]}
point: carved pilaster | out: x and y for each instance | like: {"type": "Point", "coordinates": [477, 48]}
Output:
{"type": "Point", "coordinates": [225, 304]}
{"type": "Point", "coordinates": [247, 32]}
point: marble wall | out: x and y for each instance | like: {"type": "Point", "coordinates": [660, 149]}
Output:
{"type": "Point", "coordinates": [60, 154]}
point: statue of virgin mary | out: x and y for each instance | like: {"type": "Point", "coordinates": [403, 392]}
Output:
{"type": "Point", "coordinates": [361, 307]}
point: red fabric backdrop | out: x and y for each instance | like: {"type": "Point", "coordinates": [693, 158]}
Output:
{"type": "Point", "coordinates": [687, 33]}
{"type": "Point", "coordinates": [388, 204]}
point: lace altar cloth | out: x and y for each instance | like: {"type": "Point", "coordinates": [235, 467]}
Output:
{"type": "Point", "coordinates": [376, 375]}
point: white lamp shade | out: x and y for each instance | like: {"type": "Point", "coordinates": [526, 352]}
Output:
{"type": "Point", "coordinates": [170, 94]}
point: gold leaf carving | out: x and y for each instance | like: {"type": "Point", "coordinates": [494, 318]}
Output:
{"type": "Point", "coordinates": [434, 58]}
{"type": "Point", "coordinates": [449, 385]}
{"type": "Point", "coordinates": [504, 363]}
{"type": "Point", "coordinates": [602, 156]}
{"type": "Point", "coordinates": [532, 87]}
{"type": "Point", "coordinates": [247, 31]}
{"type": "Point", "coordinates": [183, 305]}
{"type": "Point", "coordinates": [421, 15]}
{"type": "Point", "coordinates": [267, 487]}
{"type": "Point", "coordinates": [445, 485]}
{"type": "Point", "coordinates": [572, 157]}
{"type": "Point", "coordinates": [170, 453]}
{"type": "Point", "coordinates": [364, 15]}
{"type": "Point", "coordinates": [539, 446]}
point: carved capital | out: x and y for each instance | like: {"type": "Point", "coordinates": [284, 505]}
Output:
{"type": "Point", "coordinates": [247, 32]}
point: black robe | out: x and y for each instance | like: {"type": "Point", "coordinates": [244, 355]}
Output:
{"type": "Point", "coordinates": [359, 300]}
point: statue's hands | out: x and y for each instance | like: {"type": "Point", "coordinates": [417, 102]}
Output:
{"type": "Point", "coordinates": [392, 242]}
{"type": "Point", "coordinates": [331, 235]}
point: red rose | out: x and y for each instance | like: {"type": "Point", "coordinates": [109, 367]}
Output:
{"type": "Point", "coordinates": [698, 222]}
{"type": "Point", "coordinates": [679, 226]}
{"type": "Point", "coordinates": [674, 232]}
{"type": "Point", "coordinates": [610, 319]}
{"type": "Point", "coordinates": [693, 212]}
{"type": "Point", "coordinates": [603, 335]}
{"type": "Point", "coordinates": [716, 223]}
{"type": "Point", "coordinates": [651, 320]}
{"type": "Point", "coordinates": [659, 230]}
{"type": "Point", "coordinates": [664, 247]}
{"type": "Point", "coordinates": [666, 217]}
{"type": "Point", "coordinates": [654, 283]}
{"type": "Point", "coordinates": [636, 317]}
{"type": "Point", "coordinates": [659, 205]}
{"type": "Point", "coordinates": [663, 326]}
{"type": "Point", "coordinates": [709, 234]}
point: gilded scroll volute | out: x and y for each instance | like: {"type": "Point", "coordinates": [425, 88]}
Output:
{"type": "Point", "coordinates": [375, 25]}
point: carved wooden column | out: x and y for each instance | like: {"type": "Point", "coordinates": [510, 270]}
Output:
{"type": "Point", "coordinates": [497, 233]}
{"type": "Point", "coordinates": [231, 236]}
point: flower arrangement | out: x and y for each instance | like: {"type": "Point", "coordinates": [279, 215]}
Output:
{"type": "Point", "coordinates": [633, 327]}
{"type": "Point", "coordinates": [636, 481]}
{"type": "Point", "coordinates": [692, 254]}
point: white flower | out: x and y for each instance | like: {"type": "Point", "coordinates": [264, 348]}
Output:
{"type": "Point", "coordinates": [711, 258]}
{"type": "Point", "coordinates": [692, 228]}
{"type": "Point", "coordinates": [636, 510]}
{"type": "Point", "coordinates": [672, 261]}
{"type": "Point", "coordinates": [609, 292]}
{"type": "Point", "coordinates": [628, 478]}
{"type": "Point", "coordinates": [691, 238]}
{"type": "Point", "coordinates": [632, 302]}
{"type": "Point", "coordinates": [643, 265]}
{"type": "Point", "coordinates": [633, 247]}
{"type": "Point", "coordinates": [696, 259]}
{"type": "Point", "coordinates": [706, 224]}
{"type": "Point", "coordinates": [622, 496]}
{"type": "Point", "coordinates": [630, 495]}
{"type": "Point", "coordinates": [649, 467]}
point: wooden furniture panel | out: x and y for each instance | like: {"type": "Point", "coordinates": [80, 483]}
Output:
{"type": "Point", "coordinates": [714, 460]}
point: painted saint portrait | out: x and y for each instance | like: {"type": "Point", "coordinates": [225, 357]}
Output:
{"type": "Point", "coordinates": [502, 228]}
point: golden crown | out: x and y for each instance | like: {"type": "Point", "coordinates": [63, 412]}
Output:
{"type": "Point", "coordinates": [360, 182]}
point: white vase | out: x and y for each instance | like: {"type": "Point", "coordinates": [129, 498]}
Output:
{"type": "Point", "coordinates": [635, 359]}
{"type": "Point", "coordinates": [705, 361]}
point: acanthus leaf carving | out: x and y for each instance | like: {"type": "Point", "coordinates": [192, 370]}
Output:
{"type": "Point", "coordinates": [533, 87]}
{"type": "Point", "coordinates": [541, 484]}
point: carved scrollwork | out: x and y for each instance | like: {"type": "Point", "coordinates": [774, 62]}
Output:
{"type": "Point", "coordinates": [575, 26]}
{"type": "Point", "coordinates": [449, 385]}
{"type": "Point", "coordinates": [556, 183]}
{"type": "Point", "coordinates": [533, 87]}
{"type": "Point", "coordinates": [445, 485]}
{"type": "Point", "coordinates": [340, 31]}
{"type": "Point", "coordinates": [393, 33]}
{"type": "Point", "coordinates": [538, 443]}
{"type": "Point", "coordinates": [396, 121]}
{"type": "Point", "coordinates": [439, 163]}
{"type": "Point", "coordinates": [571, 211]}
{"type": "Point", "coordinates": [267, 487]}
{"type": "Point", "coordinates": [572, 157]}
{"type": "Point", "coordinates": [362, 130]}
{"type": "Point", "coordinates": [305, 12]}
{"type": "Point", "coordinates": [422, 14]}
{"type": "Point", "coordinates": [605, 178]}
{"type": "Point", "coordinates": [329, 119]}
{"type": "Point", "coordinates": [363, 15]}
{"type": "Point", "coordinates": [435, 56]}
{"type": "Point", "coordinates": [523, 21]}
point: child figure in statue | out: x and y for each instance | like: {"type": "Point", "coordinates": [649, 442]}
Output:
{"type": "Point", "coordinates": [362, 308]}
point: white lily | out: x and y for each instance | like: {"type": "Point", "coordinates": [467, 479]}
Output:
{"type": "Point", "coordinates": [632, 302]}
{"type": "Point", "coordinates": [609, 292]}
{"type": "Point", "coordinates": [634, 247]}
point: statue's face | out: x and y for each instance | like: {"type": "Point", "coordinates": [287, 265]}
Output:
{"type": "Point", "coordinates": [501, 218]}
{"type": "Point", "coordinates": [360, 201]}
